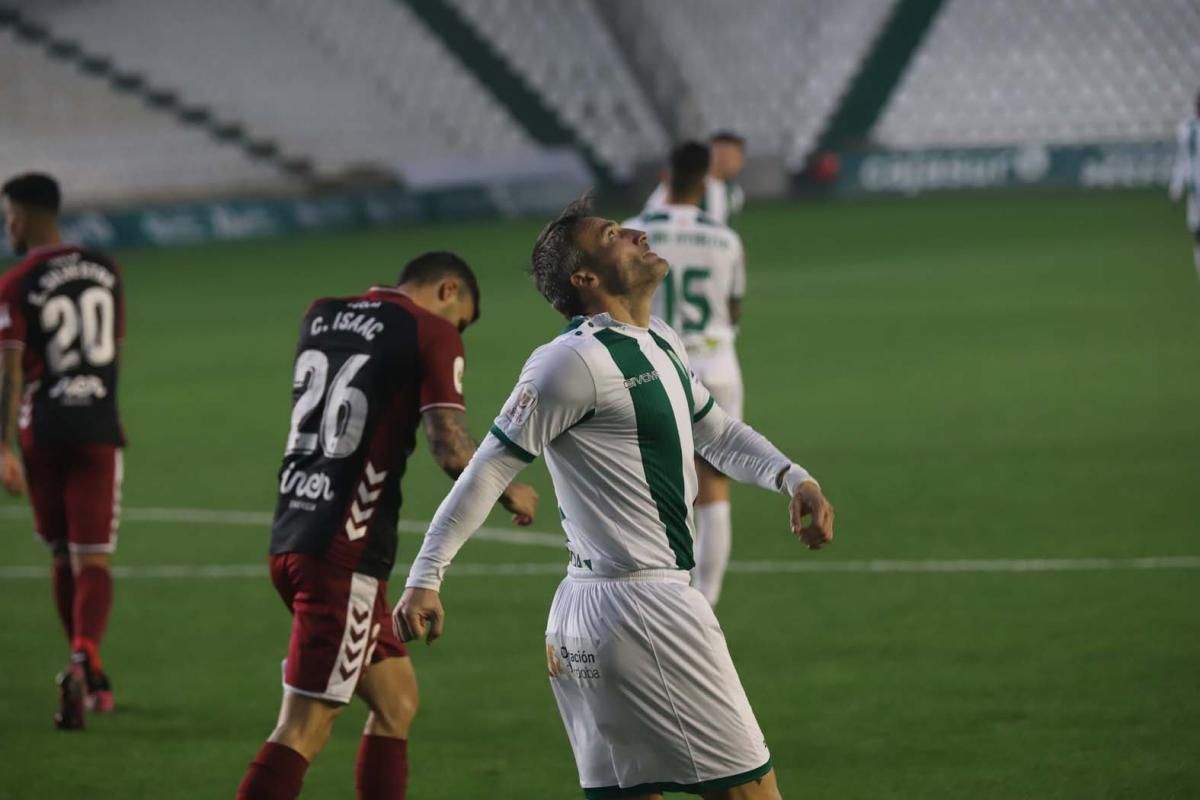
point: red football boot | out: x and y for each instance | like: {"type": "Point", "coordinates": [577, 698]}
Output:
{"type": "Point", "coordinates": [99, 692]}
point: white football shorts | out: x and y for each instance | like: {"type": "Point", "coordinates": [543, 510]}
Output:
{"type": "Point", "coordinates": [647, 689]}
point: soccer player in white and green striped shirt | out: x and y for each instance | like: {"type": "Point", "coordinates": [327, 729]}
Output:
{"type": "Point", "coordinates": [723, 199]}
{"type": "Point", "coordinates": [637, 660]}
{"type": "Point", "coordinates": [1185, 181]}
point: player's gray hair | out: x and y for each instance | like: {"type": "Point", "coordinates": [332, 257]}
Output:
{"type": "Point", "coordinates": [556, 257]}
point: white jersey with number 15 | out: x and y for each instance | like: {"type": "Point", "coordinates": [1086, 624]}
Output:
{"type": "Point", "coordinates": [707, 271]}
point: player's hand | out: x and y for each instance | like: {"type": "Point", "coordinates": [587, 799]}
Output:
{"type": "Point", "coordinates": [522, 501]}
{"type": "Point", "coordinates": [12, 474]}
{"type": "Point", "coordinates": [418, 614]}
{"type": "Point", "coordinates": [808, 501]}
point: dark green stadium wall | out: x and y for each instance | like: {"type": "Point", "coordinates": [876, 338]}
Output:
{"type": "Point", "coordinates": [879, 74]}
{"type": "Point", "coordinates": [507, 86]}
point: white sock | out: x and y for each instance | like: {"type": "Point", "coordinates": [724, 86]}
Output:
{"type": "Point", "coordinates": [714, 538]}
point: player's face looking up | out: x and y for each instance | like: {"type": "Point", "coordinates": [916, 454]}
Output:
{"type": "Point", "coordinates": [617, 261]}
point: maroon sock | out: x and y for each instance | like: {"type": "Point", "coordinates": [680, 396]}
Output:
{"type": "Point", "coordinates": [93, 600]}
{"type": "Point", "coordinates": [64, 595]}
{"type": "Point", "coordinates": [276, 773]}
{"type": "Point", "coordinates": [382, 769]}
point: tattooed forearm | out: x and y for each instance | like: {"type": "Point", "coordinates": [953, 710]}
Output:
{"type": "Point", "coordinates": [449, 441]}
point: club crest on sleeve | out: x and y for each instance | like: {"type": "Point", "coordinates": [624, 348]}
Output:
{"type": "Point", "coordinates": [459, 368]}
{"type": "Point", "coordinates": [521, 404]}
{"type": "Point", "coordinates": [5, 317]}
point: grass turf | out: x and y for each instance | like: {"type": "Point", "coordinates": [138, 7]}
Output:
{"type": "Point", "coordinates": [1003, 376]}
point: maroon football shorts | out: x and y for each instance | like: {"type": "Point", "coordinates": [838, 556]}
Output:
{"type": "Point", "coordinates": [76, 495]}
{"type": "Point", "coordinates": [341, 623]}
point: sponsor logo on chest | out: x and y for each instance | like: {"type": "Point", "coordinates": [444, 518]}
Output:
{"type": "Point", "coordinates": [80, 390]}
{"type": "Point", "coordinates": [303, 486]}
{"type": "Point", "coordinates": [641, 380]}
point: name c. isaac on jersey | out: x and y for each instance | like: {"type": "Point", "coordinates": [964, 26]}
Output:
{"type": "Point", "coordinates": [364, 325]}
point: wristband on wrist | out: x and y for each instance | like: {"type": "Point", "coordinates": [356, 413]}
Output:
{"type": "Point", "coordinates": [793, 477]}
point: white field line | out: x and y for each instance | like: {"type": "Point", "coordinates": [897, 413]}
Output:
{"type": "Point", "coordinates": [262, 519]}
{"type": "Point", "coordinates": [540, 539]}
{"type": "Point", "coordinates": [975, 566]}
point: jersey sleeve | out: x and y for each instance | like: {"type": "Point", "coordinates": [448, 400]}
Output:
{"type": "Point", "coordinates": [555, 392]}
{"type": "Point", "coordinates": [491, 470]}
{"type": "Point", "coordinates": [12, 319]}
{"type": "Point", "coordinates": [737, 287]}
{"type": "Point", "coordinates": [443, 362]}
{"type": "Point", "coordinates": [1179, 174]}
{"type": "Point", "coordinates": [744, 454]}
{"type": "Point", "coordinates": [657, 198]}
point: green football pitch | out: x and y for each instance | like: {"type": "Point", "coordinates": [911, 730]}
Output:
{"type": "Point", "coordinates": [1001, 394]}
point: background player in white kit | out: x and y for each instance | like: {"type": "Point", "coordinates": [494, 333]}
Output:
{"type": "Point", "coordinates": [722, 199]}
{"type": "Point", "coordinates": [701, 300]}
{"type": "Point", "coordinates": [1186, 178]}
{"type": "Point", "coordinates": [637, 660]}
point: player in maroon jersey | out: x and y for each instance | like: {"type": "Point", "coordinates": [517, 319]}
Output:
{"type": "Point", "coordinates": [62, 319]}
{"type": "Point", "coordinates": [368, 370]}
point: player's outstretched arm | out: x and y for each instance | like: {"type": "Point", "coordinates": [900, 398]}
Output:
{"type": "Point", "coordinates": [452, 447]}
{"type": "Point", "coordinates": [11, 474]}
{"type": "Point", "coordinates": [554, 393]}
{"type": "Point", "coordinates": [745, 455]}
{"type": "Point", "coordinates": [491, 470]}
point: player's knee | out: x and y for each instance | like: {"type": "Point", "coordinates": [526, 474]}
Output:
{"type": "Point", "coordinates": [394, 715]}
{"type": "Point", "coordinates": [60, 553]}
{"type": "Point", "coordinates": [81, 561]}
{"type": "Point", "coordinates": [305, 725]}
{"type": "Point", "coordinates": [764, 788]}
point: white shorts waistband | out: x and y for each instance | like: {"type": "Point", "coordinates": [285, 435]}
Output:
{"type": "Point", "coordinates": [642, 575]}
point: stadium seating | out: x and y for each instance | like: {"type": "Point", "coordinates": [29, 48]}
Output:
{"type": "Point", "coordinates": [345, 85]}
{"type": "Point", "coordinates": [100, 142]}
{"type": "Point", "coordinates": [1048, 71]}
{"type": "Point", "coordinates": [772, 69]}
{"type": "Point", "coordinates": [564, 51]}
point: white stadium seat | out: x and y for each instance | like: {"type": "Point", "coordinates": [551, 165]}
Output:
{"type": "Point", "coordinates": [100, 143]}
{"type": "Point", "coordinates": [1048, 71]}
{"type": "Point", "coordinates": [343, 84]}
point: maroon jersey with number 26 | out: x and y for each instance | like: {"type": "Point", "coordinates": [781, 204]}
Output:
{"type": "Point", "coordinates": [366, 368]}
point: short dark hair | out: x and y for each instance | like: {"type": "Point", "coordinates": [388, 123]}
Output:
{"type": "Point", "coordinates": [431, 267]}
{"type": "Point", "coordinates": [556, 257]}
{"type": "Point", "coordinates": [728, 137]}
{"type": "Point", "coordinates": [689, 165]}
{"type": "Point", "coordinates": [34, 190]}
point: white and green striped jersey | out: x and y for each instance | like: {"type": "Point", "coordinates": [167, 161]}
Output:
{"type": "Point", "coordinates": [723, 200]}
{"type": "Point", "coordinates": [612, 407]}
{"type": "Point", "coordinates": [708, 269]}
{"type": "Point", "coordinates": [619, 418]}
{"type": "Point", "coordinates": [1186, 177]}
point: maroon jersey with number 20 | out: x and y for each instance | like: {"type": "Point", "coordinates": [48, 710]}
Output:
{"type": "Point", "coordinates": [366, 368]}
{"type": "Point", "coordinates": [65, 307]}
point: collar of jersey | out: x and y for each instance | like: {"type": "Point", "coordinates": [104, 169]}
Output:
{"type": "Point", "coordinates": [389, 293]}
{"type": "Point", "coordinates": [605, 320]}
{"type": "Point", "coordinates": [682, 208]}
